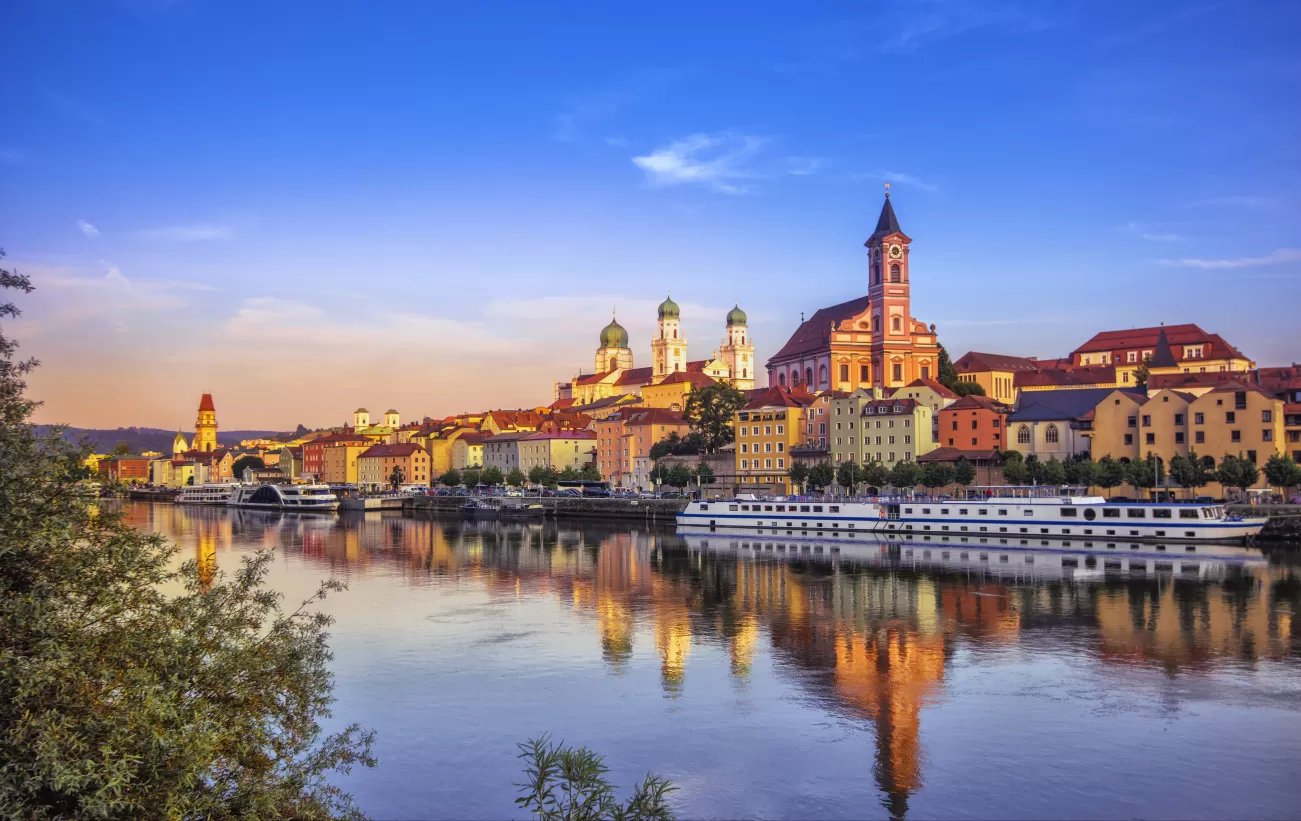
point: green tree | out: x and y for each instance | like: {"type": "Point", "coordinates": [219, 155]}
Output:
{"type": "Point", "coordinates": [1034, 470]}
{"type": "Point", "coordinates": [189, 480]}
{"type": "Point", "coordinates": [396, 478]}
{"type": "Point", "coordinates": [515, 477]}
{"type": "Point", "coordinates": [848, 475]}
{"type": "Point", "coordinates": [246, 461]}
{"type": "Point", "coordinates": [904, 475]}
{"type": "Point", "coordinates": [964, 473]}
{"type": "Point", "coordinates": [1141, 373]}
{"type": "Point", "coordinates": [1054, 472]}
{"type": "Point", "coordinates": [471, 476]}
{"type": "Point", "coordinates": [1110, 474]}
{"type": "Point", "coordinates": [569, 784]}
{"type": "Point", "coordinates": [709, 411]}
{"type": "Point", "coordinates": [875, 474]}
{"type": "Point", "coordinates": [122, 449]}
{"type": "Point", "coordinates": [705, 473]}
{"type": "Point", "coordinates": [1238, 472]}
{"type": "Point", "coordinates": [132, 687]}
{"type": "Point", "coordinates": [946, 373]}
{"type": "Point", "coordinates": [936, 475]}
{"type": "Point", "coordinates": [451, 478]}
{"type": "Point", "coordinates": [821, 475]}
{"type": "Point", "coordinates": [798, 473]}
{"type": "Point", "coordinates": [491, 475]}
{"type": "Point", "coordinates": [1283, 473]}
{"type": "Point", "coordinates": [968, 388]}
{"type": "Point", "coordinates": [1144, 473]}
{"type": "Point", "coordinates": [570, 474]}
{"type": "Point", "coordinates": [1014, 470]}
{"type": "Point", "coordinates": [1189, 472]}
{"type": "Point", "coordinates": [590, 473]}
{"type": "Point", "coordinates": [538, 475]}
{"type": "Point", "coordinates": [1081, 471]}
{"type": "Point", "coordinates": [678, 476]}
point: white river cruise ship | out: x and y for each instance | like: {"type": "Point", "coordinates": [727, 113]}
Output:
{"type": "Point", "coordinates": [1002, 512]}
{"type": "Point", "coordinates": [302, 498]}
{"type": "Point", "coordinates": [214, 493]}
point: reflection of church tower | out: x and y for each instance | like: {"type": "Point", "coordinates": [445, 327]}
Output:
{"type": "Point", "coordinates": [742, 647]}
{"type": "Point", "coordinates": [673, 639]}
{"type": "Point", "coordinates": [738, 350]}
{"type": "Point", "coordinates": [614, 352]}
{"type": "Point", "coordinates": [668, 348]}
{"type": "Point", "coordinates": [616, 625]}
{"type": "Point", "coordinates": [179, 445]}
{"type": "Point", "coordinates": [205, 556]}
{"type": "Point", "coordinates": [205, 427]}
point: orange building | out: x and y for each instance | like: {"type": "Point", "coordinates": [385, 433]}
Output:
{"type": "Point", "coordinates": [974, 423]}
{"type": "Point", "coordinates": [128, 469]}
{"type": "Point", "coordinates": [624, 440]}
{"type": "Point", "coordinates": [872, 341]}
{"type": "Point", "coordinates": [375, 465]}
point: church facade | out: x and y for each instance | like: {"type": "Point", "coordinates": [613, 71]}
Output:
{"type": "Point", "coordinates": [615, 373]}
{"type": "Point", "coordinates": [873, 341]}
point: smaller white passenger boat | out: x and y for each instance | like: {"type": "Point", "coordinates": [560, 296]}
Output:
{"type": "Point", "coordinates": [212, 493]}
{"type": "Point", "coordinates": [301, 498]}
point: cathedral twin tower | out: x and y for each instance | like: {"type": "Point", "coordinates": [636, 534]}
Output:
{"type": "Point", "coordinates": [734, 360]}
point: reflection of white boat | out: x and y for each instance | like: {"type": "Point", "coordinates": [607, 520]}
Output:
{"type": "Point", "coordinates": [1067, 559]}
{"type": "Point", "coordinates": [215, 493]}
{"type": "Point", "coordinates": [301, 498]}
{"type": "Point", "coordinates": [1014, 511]}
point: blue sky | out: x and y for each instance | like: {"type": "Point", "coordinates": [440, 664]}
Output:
{"type": "Point", "coordinates": [303, 207]}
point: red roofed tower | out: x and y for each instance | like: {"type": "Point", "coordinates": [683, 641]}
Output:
{"type": "Point", "coordinates": [205, 427]}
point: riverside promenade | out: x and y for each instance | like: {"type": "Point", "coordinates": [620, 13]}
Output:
{"type": "Point", "coordinates": [662, 511]}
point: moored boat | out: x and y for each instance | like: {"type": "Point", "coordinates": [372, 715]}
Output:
{"type": "Point", "coordinates": [211, 493]}
{"type": "Point", "coordinates": [301, 498]}
{"type": "Point", "coordinates": [987, 511]}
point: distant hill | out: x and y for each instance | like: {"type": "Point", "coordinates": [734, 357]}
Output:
{"type": "Point", "coordinates": [142, 439]}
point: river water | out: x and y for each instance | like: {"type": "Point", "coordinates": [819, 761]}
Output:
{"type": "Point", "coordinates": [792, 678]}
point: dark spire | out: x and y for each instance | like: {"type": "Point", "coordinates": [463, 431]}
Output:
{"type": "Point", "coordinates": [1162, 356]}
{"type": "Point", "coordinates": [887, 223]}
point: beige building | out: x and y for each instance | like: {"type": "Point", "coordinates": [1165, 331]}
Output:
{"type": "Point", "coordinates": [339, 464]}
{"type": "Point", "coordinates": [864, 427]}
{"type": "Point", "coordinates": [502, 451]}
{"type": "Point", "coordinates": [556, 450]}
{"type": "Point", "coordinates": [931, 394]}
{"type": "Point", "coordinates": [1232, 419]}
{"type": "Point", "coordinates": [376, 464]}
{"type": "Point", "coordinates": [467, 451]}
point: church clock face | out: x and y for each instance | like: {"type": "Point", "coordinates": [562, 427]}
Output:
{"type": "Point", "coordinates": [895, 252]}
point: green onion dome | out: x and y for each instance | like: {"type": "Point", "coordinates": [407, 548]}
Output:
{"type": "Point", "coordinates": [614, 335]}
{"type": "Point", "coordinates": [668, 309]}
{"type": "Point", "coordinates": [735, 317]}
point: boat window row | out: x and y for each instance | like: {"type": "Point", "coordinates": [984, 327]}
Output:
{"type": "Point", "coordinates": [782, 508]}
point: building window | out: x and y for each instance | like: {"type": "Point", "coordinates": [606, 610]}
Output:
{"type": "Point", "coordinates": [1267, 416]}
{"type": "Point", "coordinates": [1235, 436]}
{"type": "Point", "coordinates": [745, 463]}
{"type": "Point", "coordinates": [781, 429]}
{"type": "Point", "coordinates": [744, 448]}
{"type": "Point", "coordinates": [1199, 418]}
{"type": "Point", "coordinates": [1050, 435]}
{"type": "Point", "coordinates": [781, 463]}
{"type": "Point", "coordinates": [1147, 421]}
{"type": "Point", "coordinates": [1267, 435]}
{"type": "Point", "coordinates": [1129, 438]}
{"type": "Point", "coordinates": [1230, 417]}
{"type": "Point", "coordinates": [897, 371]}
{"type": "Point", "coordinates": [896, 324]}
{"type": "Point", "coordinates": [822, 374]}
{"type": "Point", "coordinates": [1179, 418]}
{"type": "Point", "coordinates": [1132, 421]}
{"type": "Point", "coordinates": [1179, 437]}
{"type": "Point", "coordinates": [862, 373]}
{"type": "Point", "coordinates": [1199, 437]}
{"type": "Point", "coordinates": [1251, 456]}
{"type": "Point", "coordinates": [844, 373]}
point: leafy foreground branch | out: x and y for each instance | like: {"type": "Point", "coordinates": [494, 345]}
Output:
{"type": "Point", "coordinates": [568, 784]}
{"type": "Point", "coordinates": [131, 687]}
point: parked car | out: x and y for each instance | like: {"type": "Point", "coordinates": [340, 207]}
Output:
{"type": "Point", "coordinates": [514, 492]}
{"type": "Point", "coordinates": [671, 494]}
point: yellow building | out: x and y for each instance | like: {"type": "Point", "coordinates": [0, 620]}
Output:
{"type": "Point", "coordinates": [995, 373]}
{"type": "Point", "coordinates": [1232, 419]}
{"type": "Point", "coordinates": [205, 426]}
{"type": "Point", "coordinates": [671, 394]}
{"type": "Point", "coordinates": [339, 464]}
{"type": "Point", "coordinates": [1167, 349]}
{"type": "Point", "coordinates": [555, 449]}
{"type": "Point", "coordinates": [767, 427]}
{"type": "Point", "coordinates": [375, 466]}
{"type": "Point", "coordinates": [467, 452]}
{"type": "Point", "coordinates": [864, 427]}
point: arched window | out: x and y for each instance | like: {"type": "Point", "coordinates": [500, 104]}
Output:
{"type": "Point", "coordinates": [675, 333]}
{"type": "Point", "coordinates": [614, 362]}
{"type": "Point", "coordinates": [745, 374]}
{"type": "Point", "coordinates": [808, 377]}
{"type": "Point", "coordinates": [822, 375]}
{"type": "Point", "coordinates": [896, 324]}
{"type": "Point", "coordinates": [894, 272]}
{"type": "Point", "coordinates": [781, 379]}
{"type": "Point", "coordinates": [1050, 434]}
{"type": "Point", "coordinates": [1023, 435]}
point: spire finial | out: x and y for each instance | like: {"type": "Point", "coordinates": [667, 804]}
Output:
{"type": "Point", "coordinates": [887, 190]}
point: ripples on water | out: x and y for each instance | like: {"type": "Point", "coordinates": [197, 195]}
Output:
{"type": "Point", "coordinates": [778, 677]}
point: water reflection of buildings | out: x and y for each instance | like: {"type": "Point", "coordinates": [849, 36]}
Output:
{"type": "Point", "coordinates": [870, 636]}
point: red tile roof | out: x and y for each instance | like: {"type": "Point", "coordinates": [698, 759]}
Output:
{"type": "Point", "coordinates": [1176, 335]}
{"type": "Point", "coordinates": [933, 385]}
{"type": "Point", "coordinates": [561, 404]}
{"type": "Point", "coordinates": [205, 403]}
{"type": "Point", "coordinates": [654, 416]}
{"type": "Point", "coordinates": [1077, 375]}
{"type": "Point", "coordinates": [697, 378]}
{"type": "Point", "coordinates": [777, 396]}
{"type": "Point", "coordinates": [812, 334]}
{"type": "Point", "coordinates": [975, 362]}
{"type": "Point", "coordinates": [635, 376]}
{"type": "Point", "coordinates": [403, 449]}
{"type": "Point", "coordinates": [561, 434]}
{"type": "Point", "coordinates": [974, 402]}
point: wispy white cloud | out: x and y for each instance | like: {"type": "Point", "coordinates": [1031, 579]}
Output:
{"type": "Point", "coordinates": [1142, 231]}
{"type": "Point", "coordinates": [1235, 201]}
{"type": "Point", "coordinates": [198, 232]}
{"type": "Point", "coordinates": [717, 161]}
{"type": "Point", "coordinates": [895, 178]}
{"type": "Point", "coordinates": [924, 21]}
{"type": "Point", "coordinates": [114, 292]}
{"type": "Point", "coordinates": [1282, 255]}
{"type": "Point", "coordinates": [87, 229]}
{"type": "Point", "coordinates": [804, 166]}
